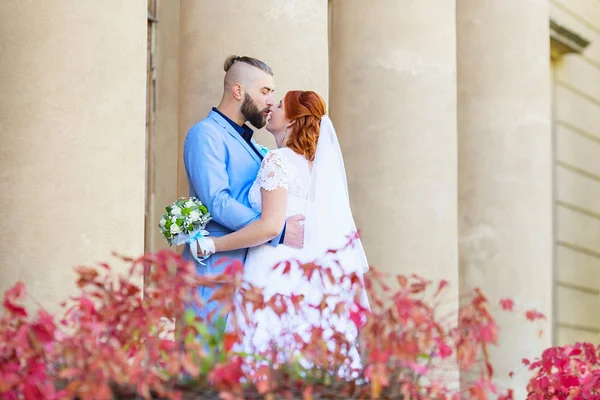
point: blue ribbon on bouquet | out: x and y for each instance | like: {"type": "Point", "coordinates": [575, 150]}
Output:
{"type": "Point", "coordinates": [193, 239]}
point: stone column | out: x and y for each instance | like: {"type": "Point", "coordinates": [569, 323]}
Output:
{"type": "Point", "coordinates": [505, 169]}
{"type": "Point", "coordinates": [290, 36]}
{"type": "Point", "coordinates": [393, 102]}
{"type": "Point", "coordinates": [72, 120]}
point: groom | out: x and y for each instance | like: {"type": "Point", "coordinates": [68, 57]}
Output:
{"type": "Point", "coordinates": [222, 161]}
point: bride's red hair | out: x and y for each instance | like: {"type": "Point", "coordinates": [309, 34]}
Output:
{"type": "Point", "coordinates": [305, 108]}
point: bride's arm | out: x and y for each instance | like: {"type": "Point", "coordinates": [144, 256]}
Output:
{"type": "Point", "coordinates": [273, 180]}
{"type": "Point", "coordinates": [268, 226]}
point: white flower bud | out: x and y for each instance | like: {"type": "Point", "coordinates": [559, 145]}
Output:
{"type": "Point", "coordinates": [176, 211]}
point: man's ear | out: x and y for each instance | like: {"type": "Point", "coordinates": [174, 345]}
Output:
{"type": "Point", "coordinates": [237, 91]}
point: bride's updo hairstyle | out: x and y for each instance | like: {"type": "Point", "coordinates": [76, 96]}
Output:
{"type": "Point", "coordinates": [305, 108]}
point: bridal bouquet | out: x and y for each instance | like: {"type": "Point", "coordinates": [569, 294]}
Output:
{"type": "Point", "coordinates": [184, 221]}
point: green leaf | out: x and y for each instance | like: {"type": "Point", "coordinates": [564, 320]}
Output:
{"type": "Point", "coordinates": [189, 317]}
{"type": "Point", "coordinates": [220, 325]}
{"type": "Point", "coordinates": [207, 364]}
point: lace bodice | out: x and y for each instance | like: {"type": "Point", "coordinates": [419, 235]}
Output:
{"type": "Point", "coordinates": [283, 168]}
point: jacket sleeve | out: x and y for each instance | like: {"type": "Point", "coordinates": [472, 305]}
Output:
{"type": "Point", "coordinates": [205, 159]}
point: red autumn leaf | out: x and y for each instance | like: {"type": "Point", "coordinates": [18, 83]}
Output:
{"type": "Point", "coordinates": [129, 289]}
{"type": "Point", "coordinates": [417, 287]}
{"type": "Point", "coordinates": [86, 275]}
{"type": "Point", "coordinates": [442, 285]}
{"type": "Point", "coordinates": [532, 315]}
{"type": "Point", "coordinates": [15, 309]}
{"type": "Point", "coordinates": [229, 340]}
{"type": "Point", "coordinates": [490, 369]}
{"type": "Point", "coordinates": [278, 304]}
{"type": "Point", "coordinates": [296, 299]}
{"type": "Point", "coordinates": [42, 333]}
{"type": "Point", "coordinates": [573, 352]}
{"type": "Point", "coordinates": [227, 375]}
{"type": "Point", "coordinates": [105, 266]}
{"type": "Point", "coordinates": [307, 393]}
{"type": "Point", "coordinates": [590, 353]}
{"type": "Point", "coordinates": [308, 270]}
{"type": "Point", "coordinates": [189, 365]}
{"type": "Point", "coordinates": [234, 268]}
{"type": "Point", "coordinates": [8, 381]}
{"type": "Point", "coordinates": [356, 318]}
{"type": "Point", "coordinates": [87, 306]}
{"type": "Point", "coordinates": [32, 391]}
{"type": "Point", "coordinates": [329, 275]}
{"type": "Point", "coordinates": [507, 304]}
{"type": "Point", "coordinates": [355, 280]}
{"type": "Point", "coordinates": [17, 292]}
{"type": "Point", "coordinates": [287, 267]}
{"type": "Point", "coordinates": [444, 350]}
{"type": "Point", "coordinates": [402, 281]}
{"type": "Point", "coordinates": [569, 381]}
{"type": "Point", "coordinates": [418, 368]}
{"type": "Point", "coordinates": [69, 373]}
{"type": "Point", "coordinates": [340, 308]}
{"type": "Point", "coordinates": [263, 386]}
{"type": "Point", "coordinates": [167, 345]}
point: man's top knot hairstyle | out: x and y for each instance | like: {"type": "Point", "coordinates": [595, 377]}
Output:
{"type": "Point", "coordinates": [247, 60]}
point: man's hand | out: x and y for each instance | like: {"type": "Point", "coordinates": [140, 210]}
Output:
{"type": "Point", "coordinates": [294, 232]}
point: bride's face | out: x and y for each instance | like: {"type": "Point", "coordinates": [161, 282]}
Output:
{"type": "Point", "coordinates": [278, 121]}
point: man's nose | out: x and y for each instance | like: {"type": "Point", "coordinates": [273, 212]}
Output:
{"type": "Point", "coordinates": [270, 101]}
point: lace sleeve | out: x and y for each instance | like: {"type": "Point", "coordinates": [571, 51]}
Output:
{"type": "Point", "coordinates": [274, 172]}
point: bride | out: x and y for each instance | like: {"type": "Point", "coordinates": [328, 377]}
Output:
{"type": "Point", "coordinates": [305, 175]}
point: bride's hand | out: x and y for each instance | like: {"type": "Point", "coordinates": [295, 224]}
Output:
{"type": "Point", "coordinates": [206, 246]}
{"type": "Point", "coordinates": [294, 232]}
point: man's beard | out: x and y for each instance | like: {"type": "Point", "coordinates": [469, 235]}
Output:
{"type": "Point", "coordinates": [250, 111]}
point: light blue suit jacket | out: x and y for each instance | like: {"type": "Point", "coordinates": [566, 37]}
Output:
{"type": "Point", "coordinates": [221, 167]}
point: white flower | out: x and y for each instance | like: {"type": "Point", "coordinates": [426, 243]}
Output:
{"type": "Point", "coordinates": [175, 229]}
{"type": "Point", "coordinates": [163, 222]}
{"type": "Point", "coordinates": [176, 210]}
{"type": "Point", "coordinates": [194, 216]}
{"type": "Point", "coordinates": [189, 204]}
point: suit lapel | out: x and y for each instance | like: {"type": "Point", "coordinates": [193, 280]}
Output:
{"type": "Point", "coordinates": [229, 129]}
{"type": "Point", "coordinates": [257, 149]}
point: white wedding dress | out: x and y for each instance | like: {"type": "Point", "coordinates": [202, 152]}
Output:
{"type": "Point", "coordinates": [283, 168]}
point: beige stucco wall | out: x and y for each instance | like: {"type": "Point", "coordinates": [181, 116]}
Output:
{"type": "Point", "coordinates": [290, 36]}
{"type": "Point", "coordinates": [577, 176]}
{"type": "Point", "coordinates": [72, 97]}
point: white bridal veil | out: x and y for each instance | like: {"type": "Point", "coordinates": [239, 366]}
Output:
{"type": "Point", "coordinates": [329, 222]}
